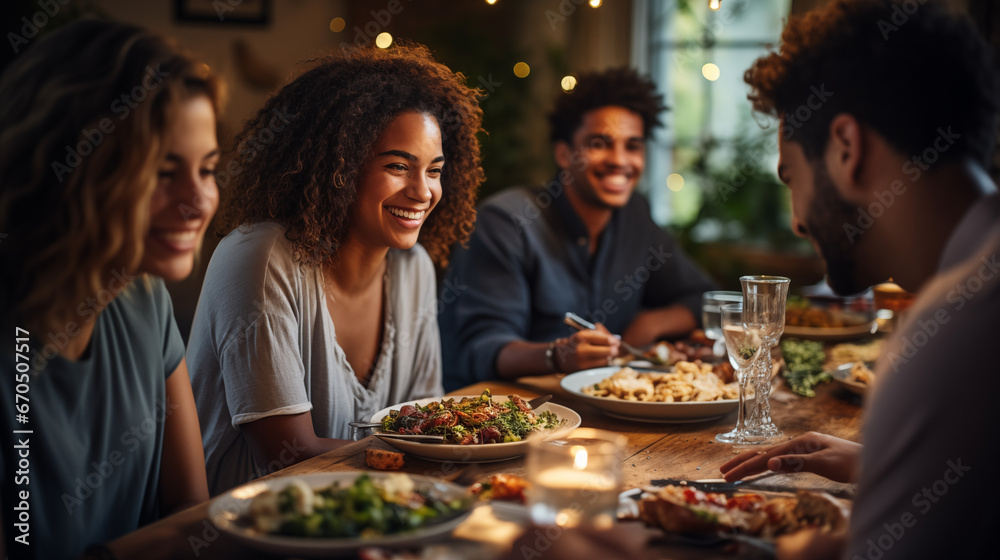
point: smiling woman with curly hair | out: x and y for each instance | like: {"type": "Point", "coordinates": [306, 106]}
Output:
{"type": "Point", "coordinates": [319, 305]}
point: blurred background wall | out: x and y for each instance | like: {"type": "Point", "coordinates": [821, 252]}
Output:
{"type": "Point", "coordinates": [710, 173]}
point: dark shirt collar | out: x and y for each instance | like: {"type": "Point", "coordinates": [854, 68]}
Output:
{"type": "Point", "coordinates": [576, 230]}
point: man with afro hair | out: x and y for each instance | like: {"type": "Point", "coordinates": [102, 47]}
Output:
{"type": "Point", "coordinates": [583, 243]}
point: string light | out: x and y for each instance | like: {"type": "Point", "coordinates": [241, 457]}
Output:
{"type": "Point", "coordinates": [383, 40]}
{"type": "Point", "coordinates": [714, 5]}
{"type": "Point", "coordinates": [491, 2]}
{"type": "Point", "coordinates": [595, 3]}
{"type": "Point", "coordinates": [568, 83]}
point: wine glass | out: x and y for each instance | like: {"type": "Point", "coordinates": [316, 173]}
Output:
{"type": "Point", "coordinates": [743, 343]}
{"type": "Point", "coordinates": [711, 315]}
{"type": "Point", "coordinates": [764, 306]}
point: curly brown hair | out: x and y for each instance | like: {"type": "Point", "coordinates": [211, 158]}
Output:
{"type": "Point", "coordinates": [300, 158]}
{"type": "Point", "coordinates": [903, 70]}
{"type": "Point", "coordinates": [622, 87]}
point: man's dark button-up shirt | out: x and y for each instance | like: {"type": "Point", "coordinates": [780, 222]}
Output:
{"type": "Point", "coordinates": [528, 263]}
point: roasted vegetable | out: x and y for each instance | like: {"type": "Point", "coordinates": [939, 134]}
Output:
{"type": "Point", "coordinates": [473, 420]}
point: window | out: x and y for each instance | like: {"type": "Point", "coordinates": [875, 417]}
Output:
{"type": "Point", "coordinates": [697, 58]}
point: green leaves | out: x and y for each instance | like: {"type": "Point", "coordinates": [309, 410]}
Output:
{"type": "Point", "coordinates": [804, 365]}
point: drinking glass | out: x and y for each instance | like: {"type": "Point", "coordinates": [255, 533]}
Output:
{"type": "Point", "coordinates": [763, 306]}
{"type": "Point", "coordinates": [743, 344]}
{"type": "Point", "coordinates": [711, 316]}
{"type": "Point", "coordinates": [575, 478]}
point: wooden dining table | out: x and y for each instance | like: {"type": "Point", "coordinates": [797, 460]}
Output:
{"type": "Point", "coordinates": [654, 451]}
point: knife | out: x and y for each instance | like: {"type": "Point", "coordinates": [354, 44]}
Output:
{"type": "Point", "coordinates": [424, 438]}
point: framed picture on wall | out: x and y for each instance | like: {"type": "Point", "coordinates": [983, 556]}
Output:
{"type": "Point", "coordinates": [246, 12]}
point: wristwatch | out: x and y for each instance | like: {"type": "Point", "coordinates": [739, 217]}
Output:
{"type": "Point", "coordinates": [550, 357]}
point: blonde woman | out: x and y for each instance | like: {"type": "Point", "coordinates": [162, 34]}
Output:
{"type": "Point", "coordinates": [107, 154]}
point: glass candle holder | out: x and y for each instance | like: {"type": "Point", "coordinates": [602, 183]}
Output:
{"type": "Point", "coordinates": [575, 478]}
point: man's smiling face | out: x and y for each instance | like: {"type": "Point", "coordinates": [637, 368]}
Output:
{"type": "Point", "coordinates": [606, 158]}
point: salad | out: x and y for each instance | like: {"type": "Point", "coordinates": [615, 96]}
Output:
{"type": "Point", "coordinates": [366, 508]}
{"type": "Point", "coordinates": [472, 420]}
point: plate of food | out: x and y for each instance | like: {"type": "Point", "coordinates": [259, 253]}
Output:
{"type": "Point", "coordinates": [335, 513]}
{"type": "Point", "coordinates": [476, 429]}
{"type": "Point", "coordinates": [756, 515]}
{"type": "Point", "coordinates": [856, 377]}
{"type": "Point", "coordinates": [693, 392]}
{"type": "Point", "coordinates": [696, 346]}
{"type": "Point", "coordinates": [829, 318]}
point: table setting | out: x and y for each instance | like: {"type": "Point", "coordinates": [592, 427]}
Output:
{"type": "Point", "coordinates": [591, 454]}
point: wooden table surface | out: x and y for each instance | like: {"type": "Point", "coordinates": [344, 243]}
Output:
{"type": "Point", "coordinates": [655, 451]}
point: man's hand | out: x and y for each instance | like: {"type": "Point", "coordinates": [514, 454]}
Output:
{"type": "Point", "coordinates": [586, 349]}
{"type": "Point", "coordinates": [810, 544]}
{"type": "Point", "coordinates": [828, 456]}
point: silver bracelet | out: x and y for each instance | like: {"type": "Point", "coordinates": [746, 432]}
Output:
{"type": "Point", "coordinates": [550, 358]}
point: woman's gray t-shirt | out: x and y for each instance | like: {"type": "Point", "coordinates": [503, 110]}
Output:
{"type": "Point", "coordinates": [263, 344]}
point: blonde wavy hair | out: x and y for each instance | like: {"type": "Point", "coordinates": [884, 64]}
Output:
{"type": "Point", "coordinates": [84, 115]}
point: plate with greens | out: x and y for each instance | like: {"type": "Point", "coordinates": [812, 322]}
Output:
{"type": "Point", "coordinates": [477, 428]}
{"type": "Point", "coordinates": [340, 512]}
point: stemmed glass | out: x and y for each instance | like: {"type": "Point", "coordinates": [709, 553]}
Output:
{"type": "Point", "coordinates": [764, 306]}
{"type": "Point", "coordinates": [743, 343]}
{"type": "Point", "coordinates": [711, 302]}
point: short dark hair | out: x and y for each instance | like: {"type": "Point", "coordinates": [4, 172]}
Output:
{"type": "Point", "coordinates": [306, 176]}
{"type": "Point", "coordinates": [911, 72]}
{"type": "Point", "coordinates": [622, 87]}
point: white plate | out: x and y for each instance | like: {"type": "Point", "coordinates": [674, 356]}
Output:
{"type": "Point", "coordinates": [833, 333]}
{"type": "Point", "coordinates": [485, 453]}
{"type": "Point", "coordinates": [227, 511]}
{"type": "Point", "coordinates": [842, 375]}
{"type": "Point", "coordinates": [677, 412]}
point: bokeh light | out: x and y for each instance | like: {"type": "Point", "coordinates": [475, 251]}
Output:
{"type": "Point", "coordinates": [595, 3]}
{"type": "Point", "coordinates": [383, 40]}
{"type": "Point", "coordinates": [568, 83]}
{"type": "Point", "coordinates": [521, 70]}
{"type": "Point", "coordinates": [711, 72]}
{"type": "Point", "coordinates": [337, 24]}
{"type": "Point", "coordinates": [675, 182]}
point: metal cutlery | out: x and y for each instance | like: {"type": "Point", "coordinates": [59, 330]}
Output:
{"type": "Point", "coordinates": [579, 323]}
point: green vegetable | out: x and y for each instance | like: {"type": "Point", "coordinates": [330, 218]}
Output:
{"type": "Point", "coordinates": [796, 302]}
{"type": "Point", "coordinates": [359, 510]}
{"type": "Point", "coordinates": [471, 415]}
{"type": "Point", "coordinates": [804, 365]}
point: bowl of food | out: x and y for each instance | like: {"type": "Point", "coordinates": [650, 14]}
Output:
{"type": "Point", "coordinates": [324, 514]}
{"type": "Point", "coordinates": [692, 392]}
{"type": "Point", "coordinates": [829, 317]}
{"type": "Point", "coordinates": [475, 428]}
{"type": "Point", "coordinates": [856, 377]}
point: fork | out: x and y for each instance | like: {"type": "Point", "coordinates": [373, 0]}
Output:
{"type": "Point", "coordinates": [579, 323]}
